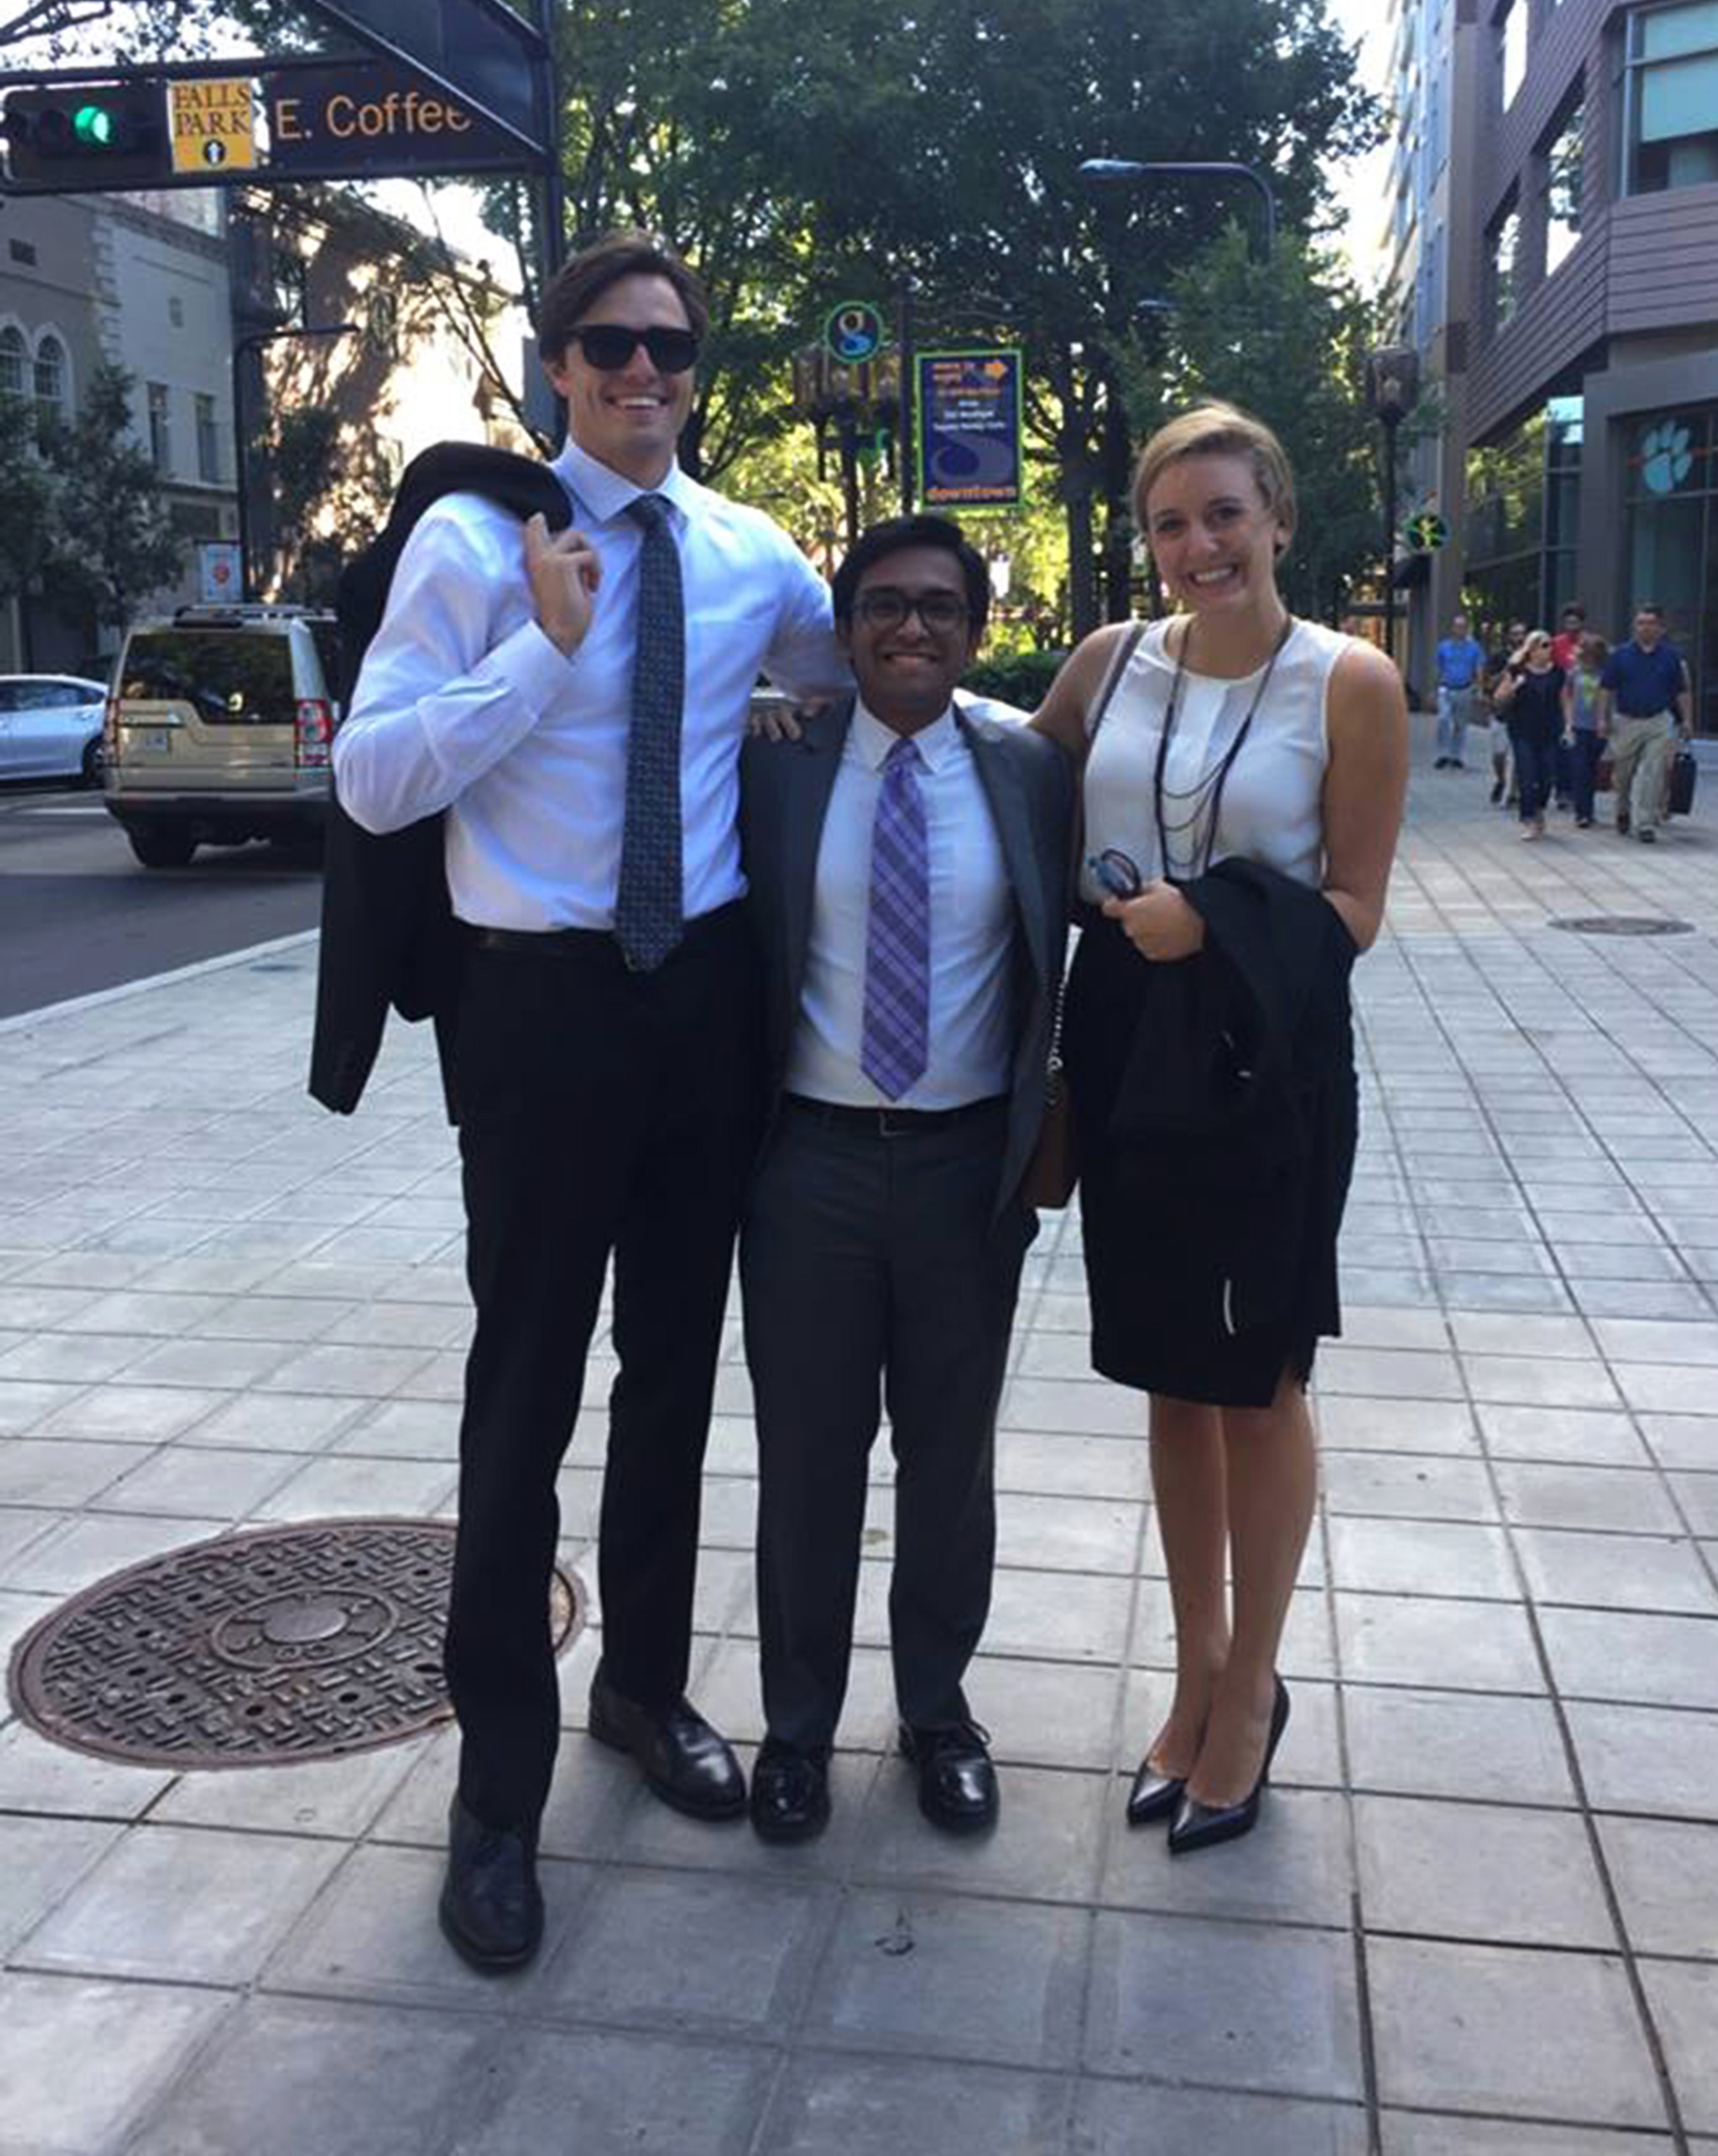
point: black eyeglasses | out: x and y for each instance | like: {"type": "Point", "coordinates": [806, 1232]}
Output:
{"type": "Point", "coordinates": [610, 346]}
{"type": "Point", "coordinates": [885, 608]}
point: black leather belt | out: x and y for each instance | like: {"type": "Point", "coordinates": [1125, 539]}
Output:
{"type": "Point", "coordinates": [889, 1121]}
{"type": "Point", "coordinates": [594, 942]}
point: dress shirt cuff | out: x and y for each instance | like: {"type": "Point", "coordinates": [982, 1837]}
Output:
{"type": "Point", "coordinates": [469, 732]}
{"type": "Point", "coordinates": [533, 666]}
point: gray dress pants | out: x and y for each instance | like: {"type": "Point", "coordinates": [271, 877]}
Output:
{"type": "Point", "coordinates": [876, 1272]}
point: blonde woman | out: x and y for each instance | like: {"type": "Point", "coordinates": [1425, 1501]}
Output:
{"type": "Point", "coordinates": [1243, 781]}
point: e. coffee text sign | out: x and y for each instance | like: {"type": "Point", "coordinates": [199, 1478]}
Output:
{"type": "Point", "coordinates": [373, 119]}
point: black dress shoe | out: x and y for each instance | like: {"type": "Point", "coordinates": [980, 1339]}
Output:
{"type": "Point", "coordinates": [789, 1793]}
{"type": "Point", "coordinates": [491, 1907]}
{"type": "Point", "coordinates": [956, 1781]}
{"type": "Point", "coordinates": [1154, 1795]}
{"type": "Point", "coordinates": [686, 1762]}
{"type": "Point", "coordinates": [1198, 1826]}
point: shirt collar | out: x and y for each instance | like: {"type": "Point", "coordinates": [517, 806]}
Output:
{"type": "Point", "coordinates": [607, 492]}
{"type": "Point", "coordinates": [938, 742]}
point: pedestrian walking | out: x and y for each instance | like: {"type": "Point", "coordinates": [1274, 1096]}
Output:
{"type": "Point", "coordinates": [1566, 650]}
{"type": "Point", "coordinates": [1530, 696]}
{"type": "Point", "coordinates": [1581, 734]}
{"type": "Point", "coordinates": [1645, 706]}
{"type": "Point", "coordinates": [1246, 786]}
{"type": "Point", "coordinates": [1503, 763]}
{"type": "Point", "coordinates": [576, 705]}
{"type": "Point", "coordinates": [907, 871]}
{"type": "Point", "coordinates": [1461, 658]}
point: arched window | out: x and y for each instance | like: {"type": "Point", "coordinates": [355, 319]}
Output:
{"type": "Point", "coordinates": [50, 381]}
{"type": "Point", "coordinates": [14, 353]}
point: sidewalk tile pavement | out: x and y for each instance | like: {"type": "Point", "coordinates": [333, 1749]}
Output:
{"type": "Point", "coordinates": [1479, 1916]}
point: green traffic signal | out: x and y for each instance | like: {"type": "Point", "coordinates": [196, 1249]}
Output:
{"type": "Point", "coordinates": [95, 126]}
{"type": "Point", "coordinates": [85, 139]}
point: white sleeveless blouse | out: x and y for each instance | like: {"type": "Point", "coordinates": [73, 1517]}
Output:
{"type": "Point", "coordinates": [1272, 805]}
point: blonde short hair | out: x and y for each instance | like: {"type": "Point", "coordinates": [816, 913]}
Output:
{"type": "Point", "coordinates": [1216, 429]}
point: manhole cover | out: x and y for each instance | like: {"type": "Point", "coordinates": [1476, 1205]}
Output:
{"type": "Point", "coordinates": [303, 1642]}
{"type": "Point", "coordinates": [1624, 924]}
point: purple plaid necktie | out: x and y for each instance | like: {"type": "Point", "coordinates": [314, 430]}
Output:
{"type": "Point", "coordinates": [895, 1049]}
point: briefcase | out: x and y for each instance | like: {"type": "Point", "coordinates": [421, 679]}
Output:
{"type": "Point", "coordinates": [1682, 783]}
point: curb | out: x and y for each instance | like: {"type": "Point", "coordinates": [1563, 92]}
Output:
{"type": "Point", "coordinates": [21, 1022]}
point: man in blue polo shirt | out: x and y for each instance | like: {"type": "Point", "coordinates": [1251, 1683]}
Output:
{"type": "Point", "coordinates": [1460, 656]}
{"type": "Point", "coordinates": [1643, 705]}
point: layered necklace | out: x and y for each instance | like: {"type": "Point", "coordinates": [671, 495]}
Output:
{"type": "Point", "coordinates": [1187, 816]}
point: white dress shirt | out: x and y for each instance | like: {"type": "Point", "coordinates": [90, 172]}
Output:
{"type": "Point", "coordinates": [464, 704]}
{"type": "Point", "coordinates": [971, 929]}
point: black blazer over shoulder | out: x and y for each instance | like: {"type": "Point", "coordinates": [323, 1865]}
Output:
{"type": "Point", "coordinates": [387, 928]}
{"type": "Point", "coordinates": [785, 789]}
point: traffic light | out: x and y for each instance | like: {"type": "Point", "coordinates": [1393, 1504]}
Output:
{"type": "Point", "coordinates": [85, 138]}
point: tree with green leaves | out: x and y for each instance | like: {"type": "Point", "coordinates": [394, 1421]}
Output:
{"type": "Point", "coordinates": [29, 512]}
{"type": "Point", "coordinates": [1286, 340]}
{"type": "Point", "coordinates": [115, 541]}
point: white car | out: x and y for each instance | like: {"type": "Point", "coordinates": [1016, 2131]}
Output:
{"type": "Point", "coordinates": [51, 726]}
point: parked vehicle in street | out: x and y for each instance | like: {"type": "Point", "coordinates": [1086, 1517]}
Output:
{"type": "Point", "coordinates": [219, 729]}
{"type": "Point", "coordinates": [51, 726]}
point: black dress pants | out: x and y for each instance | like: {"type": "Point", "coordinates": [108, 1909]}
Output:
{"type": "Point", "coordinates": [874, 1268]}
{"type": "Point", "coordinates": [602, 1111]}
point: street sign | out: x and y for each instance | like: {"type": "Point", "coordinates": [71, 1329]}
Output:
{"type": "Point", "coordinates": [968, 434]}
{"type": "Point", "coordinates": [371, 118]}
{"type": "Point", "coordinates": [64, 137]}
{"type": "Point", "coordinates": [1427, 531]}
{"type": "Point", "coordinates": [214, 126]}
{"type": "Point", "coordinates": [218, 571]}
{"type": "Point", "coordinates": [855, 331]}
{"type": "Point", "coordinates": [479, 49]}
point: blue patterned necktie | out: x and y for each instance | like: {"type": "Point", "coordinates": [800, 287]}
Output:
{"type": "Point", "coordinates": [648, 916]}
{"type": "Point", "coordinates": [895, 1049]}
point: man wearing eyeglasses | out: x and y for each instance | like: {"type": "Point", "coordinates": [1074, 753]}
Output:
{"type": "Point", "coordinates": [908, 865]}
{"type": "Point", "coordinates": [576, 704]}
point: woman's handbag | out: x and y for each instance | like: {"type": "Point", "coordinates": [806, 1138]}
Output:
{"type": "Point", "coordinates": [1054, 1167]}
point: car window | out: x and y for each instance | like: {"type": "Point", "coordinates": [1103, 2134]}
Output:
{"type": "Point", "coordinates": [8, 696]}
{"type": "Point", "coordinates": [238, 677]}
{"type": "Point", "coordinates": [65, 694]}
{"type": "Point", "coordinates": [328, 638]}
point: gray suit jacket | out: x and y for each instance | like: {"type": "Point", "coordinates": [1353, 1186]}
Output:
{"type": "Point", "coordinates": [1029, 783]}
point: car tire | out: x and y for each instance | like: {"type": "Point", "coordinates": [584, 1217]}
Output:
{"type": "Point", "coordinates": [94, 764]}
{"type": "Point", "coordinates": [158, 847]}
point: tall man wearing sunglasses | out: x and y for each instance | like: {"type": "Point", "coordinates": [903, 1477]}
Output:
{"type": "Point", "coordinates": [577, 703]}
{"type": "Point", "coordinates": [908, 865]}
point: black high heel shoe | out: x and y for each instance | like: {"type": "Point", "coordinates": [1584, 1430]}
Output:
{"type": "Point", "coordinates": [1154, 1795]}
{"type": "Point", "coordinates": [1198, 1826]}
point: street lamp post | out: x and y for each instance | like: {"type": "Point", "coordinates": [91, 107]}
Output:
{"type": "Point", "coordinates": [1103, 169]}
{"type": "Point", "coordinates": [1392, 391]}
{"type": "Point", "coordinates": [241, 461]}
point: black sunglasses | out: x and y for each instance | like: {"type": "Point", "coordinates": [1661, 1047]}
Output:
{"type": "Point", "coordinates": [610, 346]}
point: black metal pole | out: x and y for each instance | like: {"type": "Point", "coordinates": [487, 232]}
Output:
{"type": "Point", "coordinates": [241, 461]}
{"type": "Point", "coordinates": [551, 238]}
{"type": "Point", "coordinates": [846, 424]}
{"type": "Point", "coordinates": [1391, 422]}
{"type": "Point", "coordinates": [903, 331]}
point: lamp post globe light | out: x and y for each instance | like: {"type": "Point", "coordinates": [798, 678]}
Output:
{"type": "Point", "coordinates": [1392, 391]}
